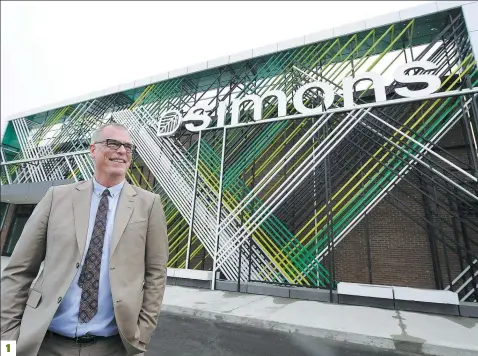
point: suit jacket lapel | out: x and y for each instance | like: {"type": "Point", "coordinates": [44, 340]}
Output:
{"type": "Point", "coordinates": [81, 211]}
{"type": "Point", "coordinates": [123, 214]}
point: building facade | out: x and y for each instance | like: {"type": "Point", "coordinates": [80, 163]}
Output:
{"type": "Point", "coordinates": [348, 155]}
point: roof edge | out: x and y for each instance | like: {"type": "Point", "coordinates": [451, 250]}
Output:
{"type": "Point", "coordinates": [374, 22]}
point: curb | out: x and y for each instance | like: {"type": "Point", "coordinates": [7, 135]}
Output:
{"type": "Point", "coordinates": [396, 344]}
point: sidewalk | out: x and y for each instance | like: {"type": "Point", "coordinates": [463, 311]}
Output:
{"type": "Point", "coordinates": [389, 329]}
{"type": "Point", "coordinates": [383, 328]}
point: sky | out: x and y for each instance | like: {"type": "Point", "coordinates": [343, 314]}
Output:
{"type": "Point", "coordinates": [52, 51]}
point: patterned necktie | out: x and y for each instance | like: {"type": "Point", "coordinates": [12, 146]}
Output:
{"type": "Point", "coordinates": [89, 279]}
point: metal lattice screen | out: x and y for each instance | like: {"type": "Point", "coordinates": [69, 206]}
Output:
{"type": "Point", "coordinates": [375, 194]}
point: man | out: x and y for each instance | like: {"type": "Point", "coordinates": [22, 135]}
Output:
{"type": "Point", "coordinates": [105, 249]}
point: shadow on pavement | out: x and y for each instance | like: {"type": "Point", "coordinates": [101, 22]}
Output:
{"type": "Point", "coordinates": [187, 336]}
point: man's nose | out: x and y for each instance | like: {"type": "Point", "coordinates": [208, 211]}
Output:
{"type": "Point", "coordinates": [121, 150]}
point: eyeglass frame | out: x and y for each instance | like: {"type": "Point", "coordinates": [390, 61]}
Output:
{"type": "Point", "coordinates": [131, 150]}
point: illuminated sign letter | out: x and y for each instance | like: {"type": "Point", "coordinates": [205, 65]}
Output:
{"type": "Point", "coordinates": [203, 118]}
{"type": "Point", "coordinates": [257, 102]}
{"type": "Point", "coordinates": [221, 114]}
{"type": "Point", "coordinates": [349, 83]}
{"type": "Point", "coordinates": [328, 98]}
{"type": "Point", "coordinates": [432, 80]}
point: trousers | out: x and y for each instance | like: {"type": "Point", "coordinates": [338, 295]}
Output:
{"type": "Point", "coordinates": [54, 345]}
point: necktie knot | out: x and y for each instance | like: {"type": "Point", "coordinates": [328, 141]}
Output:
{"type": "Point", "coordinates": [105, 193]}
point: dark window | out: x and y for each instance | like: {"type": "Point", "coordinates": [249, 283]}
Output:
{"type": "Point", "coordinates": [3, 213]}
{"type": "Point", "coordinates": [20, 218]}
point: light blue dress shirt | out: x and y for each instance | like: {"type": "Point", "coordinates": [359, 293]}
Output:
{"type": "Point", "coordinates": [66, 321]}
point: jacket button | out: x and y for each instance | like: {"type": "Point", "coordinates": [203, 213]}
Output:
{"type": "Point", "coordinates": [77, 264]}
{"type": "Point", "coordinates": [59, 299]}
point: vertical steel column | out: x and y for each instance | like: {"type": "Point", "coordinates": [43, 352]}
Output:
{"type": "Point", "coordinates": [242, 221]}
{"type": "Point", "coordinates": [314, 139]}
{"type": "Point", "coordinates": [367, 232]}
{"type": "Point", "coordinates": [5, 166]}
{"type": "Point", "coordinates": [219, 203]}
{"type": "Point", "coordinates": [242, 224]}
{"type": "Point", "coordinates": [252, 213]}
{"type": "Point", "coordinates": [454, 211]}
{"type": "Point", "coordinates": [431, 234]}
{"type": "Point", "coordinates": [193, 206]}
{"type": "Point", "coordinates": [469, 260]}
{"type": "Point", "coordinates": [328, 196]}
{"type": "Point", "coordinates": [442, 233]}
{"type": "Point", "coordinates": [468, 118]}
{"type": "Point", "coordinates": [293, 197]}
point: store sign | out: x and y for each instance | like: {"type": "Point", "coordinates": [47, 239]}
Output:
{"type": "Point", "coordinates": [197, 118]}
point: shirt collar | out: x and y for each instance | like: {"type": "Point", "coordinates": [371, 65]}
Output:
{"type": "Point", "coordinates": [114, 190]}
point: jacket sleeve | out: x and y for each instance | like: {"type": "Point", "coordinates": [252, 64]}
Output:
{"type": "Point", "coordinates": [23, 268]}
{"type": "Point", "coordinates": [157, 254]}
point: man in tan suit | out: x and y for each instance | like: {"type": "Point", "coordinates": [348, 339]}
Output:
{"type": "Point", "coordinates": [104, 246]}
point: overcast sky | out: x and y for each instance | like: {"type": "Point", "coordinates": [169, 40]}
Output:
{"type": "Point", "coordinates": [52, 51]}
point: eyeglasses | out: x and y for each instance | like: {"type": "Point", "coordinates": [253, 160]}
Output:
{"type": "Point", "coordinates": [115, 145]}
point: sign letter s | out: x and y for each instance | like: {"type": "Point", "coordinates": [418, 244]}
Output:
{"type": "Point", "coordinates": [432, 80]}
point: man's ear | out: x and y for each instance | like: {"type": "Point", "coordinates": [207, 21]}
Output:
{"type": "Point", "coordinates": [92, 150]}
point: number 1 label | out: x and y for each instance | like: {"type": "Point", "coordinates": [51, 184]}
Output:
{"type": "Point", "coordinates": [9, 348]}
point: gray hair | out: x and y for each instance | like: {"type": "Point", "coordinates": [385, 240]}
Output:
{"type": "Point", "coordinates": [96, 134]}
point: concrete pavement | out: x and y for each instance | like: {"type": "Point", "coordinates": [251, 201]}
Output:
{"type": "Point", "coordinates": [387, 329]}
{"type": "Point", "coordinates": [179, 335]}
{"type": "Point", "coordinates": [382, 328]}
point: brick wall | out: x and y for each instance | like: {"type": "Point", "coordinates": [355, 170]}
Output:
{"type": "Point", "coordinates": [399, 248]}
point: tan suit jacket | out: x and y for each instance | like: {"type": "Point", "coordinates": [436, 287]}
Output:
{"type": "Point", "coordinates": [56, 233]}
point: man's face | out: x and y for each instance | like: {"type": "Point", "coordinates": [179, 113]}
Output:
{"type": "Point", "coordinates": [110, 160]}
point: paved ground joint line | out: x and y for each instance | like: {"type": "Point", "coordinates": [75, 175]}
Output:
{"type": "Point", "coordinates": [249, 303]}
